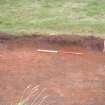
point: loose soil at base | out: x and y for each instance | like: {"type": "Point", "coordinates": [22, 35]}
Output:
{"type": "Point", "coordinates": [69, 79]}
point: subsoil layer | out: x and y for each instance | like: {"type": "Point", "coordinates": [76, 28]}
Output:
{"type": "Point", "coordinates": [69, 79]}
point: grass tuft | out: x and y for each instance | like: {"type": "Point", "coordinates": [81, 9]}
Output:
{"type": "Point", "coordinates": [33, 96]}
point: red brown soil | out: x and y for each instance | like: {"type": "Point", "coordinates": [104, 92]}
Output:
{"type": "Point", "coordinates": [69, 79]}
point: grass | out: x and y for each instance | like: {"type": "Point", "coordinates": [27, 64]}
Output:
{"type": "Point", "coordinates": [82, 17]}
{"type": "Point", "coordinates": [33, 96]}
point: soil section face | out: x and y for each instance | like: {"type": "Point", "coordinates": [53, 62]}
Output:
{"type": "Point", "coordinates": [63, 79]}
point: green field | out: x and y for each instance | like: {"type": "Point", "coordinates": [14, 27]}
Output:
{"type": "Point", "coordinates": [82, 17]}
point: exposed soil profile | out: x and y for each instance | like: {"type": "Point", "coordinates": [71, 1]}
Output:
{"type": "Point", "coordinates": [61, 78]}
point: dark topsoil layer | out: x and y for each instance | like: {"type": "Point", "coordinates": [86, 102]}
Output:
{"type": "Point", "coordinates": [90, 42]}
